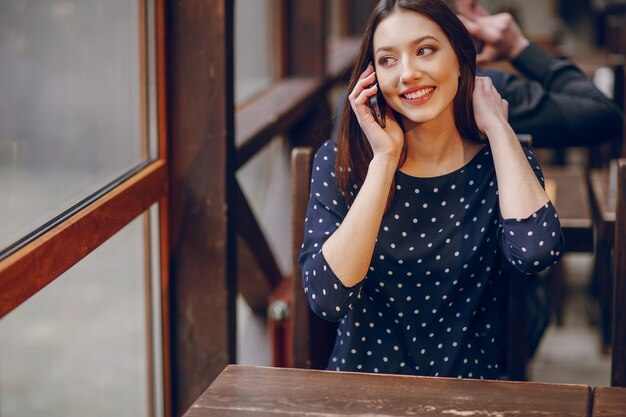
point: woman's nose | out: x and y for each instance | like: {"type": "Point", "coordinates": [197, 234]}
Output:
{"type": "Point", "coordinates": [410, 71]}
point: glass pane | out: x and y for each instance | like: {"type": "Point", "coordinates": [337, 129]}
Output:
{"type": "Point", "coordinates": [72, 104]}
{"type": "Point", "coordinates": [256, 46]}
{"type": "Point", "coordinates": [81, 346]}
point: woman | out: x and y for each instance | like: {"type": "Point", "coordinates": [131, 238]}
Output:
{"type": "Point", "coordinates": [408, 226]}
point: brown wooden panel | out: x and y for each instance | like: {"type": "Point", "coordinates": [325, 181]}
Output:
{"type": "Point", "coordinates": [297, 392]}
{"type": "Point", "coordinates": [202, 231]}
{"type": "Point", "coordinates": [301, 159]}
{"type": "Point", "coordinates": [40, 262]}
{"type": "Point", "coordinates": [618, 352]}
{"type": "Point", "coordinates": [306, 38]}
{"type": "Point", "coordinates": [609, 402]}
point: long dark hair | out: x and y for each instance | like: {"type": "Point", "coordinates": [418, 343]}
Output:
{"type": "Point", "coordinates": [354, 152]}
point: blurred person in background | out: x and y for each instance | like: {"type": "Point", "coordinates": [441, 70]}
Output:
{"type": "Point", "coordinates": [555, 102]}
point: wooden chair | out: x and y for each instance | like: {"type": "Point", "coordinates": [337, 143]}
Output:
{"type": "Point", "coordinates": [618, 354]}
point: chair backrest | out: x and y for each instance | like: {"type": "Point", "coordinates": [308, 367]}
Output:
{"type": "Point", "coordinates": [618, 355]}
{"type": "Point", "coordinates": [312, 337]}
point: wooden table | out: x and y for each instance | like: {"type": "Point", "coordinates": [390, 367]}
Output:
{"type": "Point", "coordinates": [609, 402]}
{"type": "Point", "coordinates": [258, 391]}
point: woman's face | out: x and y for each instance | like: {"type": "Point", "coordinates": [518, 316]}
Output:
{"type": "Point", "coordinates": [416, 66]}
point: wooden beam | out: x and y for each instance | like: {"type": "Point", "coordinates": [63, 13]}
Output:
{"type": "Point", "coordinates": [251, 232]}
{"type": "Point", "coordinates": [202, 232]}
{"type": "Point", "coordinates": [273, 113]}
{"type": "Point", "coordinates": [306, 38]}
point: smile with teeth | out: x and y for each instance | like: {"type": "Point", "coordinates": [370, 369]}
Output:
{"type": "Point", "coordinates": [419, 93]}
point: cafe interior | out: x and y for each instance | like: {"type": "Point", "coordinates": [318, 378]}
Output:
{"type": "Point", "coordinates": [155, 272]}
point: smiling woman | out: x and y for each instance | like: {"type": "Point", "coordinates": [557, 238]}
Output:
{"type": "Point", "coordinates": [409, 227]}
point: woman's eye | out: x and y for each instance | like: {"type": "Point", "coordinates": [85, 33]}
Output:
{"type": "Point", "coordinates": [386, 60]}
{"type": "Point", "coordinates": [426, 50]}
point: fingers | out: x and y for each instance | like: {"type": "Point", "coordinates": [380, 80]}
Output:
{"type": "Point", "coordinates": [367, 78]}
{"type": "Point", "coordinates": [365, 94]}
{"type": "Point", "coordinates": [484, 88]}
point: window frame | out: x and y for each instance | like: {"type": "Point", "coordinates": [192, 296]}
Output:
{"type": "Point", "coordinates": [31, 267]}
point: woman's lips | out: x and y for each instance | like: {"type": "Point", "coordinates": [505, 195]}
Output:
{"type": "Point", "coordinates": [418, 97]}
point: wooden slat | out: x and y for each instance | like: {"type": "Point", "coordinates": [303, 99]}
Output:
{"type": "Point", "coordinates": [301, 159]}
{"type": "Point", "coordinates": [618, 352]}
{"type": "Point", "coordinates": [202, 210]}
{"type": "Point", "coordinates": [40, 262]}
{"type": "Point", "coordinates": [306, 38]}
{"type": "Point", "coordinates": [609, 402]}
{"type": "Point", "coordinates": [273, 113]}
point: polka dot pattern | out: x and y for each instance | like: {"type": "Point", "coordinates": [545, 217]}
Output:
{"type": "Point", "coordinates": [429, 303]}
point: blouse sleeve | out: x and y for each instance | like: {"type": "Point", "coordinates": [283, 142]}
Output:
{"type": "Point", "coordinates": [536, 242]}
{"type": "Point", "coordinates": [327, 295]}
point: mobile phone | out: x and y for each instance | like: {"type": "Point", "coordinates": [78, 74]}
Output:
{"type": "Point", "coordinates": [377, 105]}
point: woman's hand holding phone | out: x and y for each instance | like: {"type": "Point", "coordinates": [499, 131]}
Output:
{"type": "Point", "coordinates": [387, 140]}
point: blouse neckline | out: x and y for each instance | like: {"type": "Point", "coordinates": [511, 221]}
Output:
{"type": "Point", "coordinates": [484, 151]}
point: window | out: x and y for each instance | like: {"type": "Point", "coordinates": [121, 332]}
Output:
{"type": "Point", "coordinates": [89, 337]}
{"type": "Point", "coordinates": [82, 156]}
{"type": "Point", "coordinates": [257, 60]}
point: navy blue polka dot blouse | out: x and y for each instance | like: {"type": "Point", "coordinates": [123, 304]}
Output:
{"type": "Point", "coordinates": [429, 303]}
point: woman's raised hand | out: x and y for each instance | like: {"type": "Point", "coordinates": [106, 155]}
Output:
{"type": "Point", "coordinates": [387, 142]}
{"type": "Point", "coordinates": [490, 110]}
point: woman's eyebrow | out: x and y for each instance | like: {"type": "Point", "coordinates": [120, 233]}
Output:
{"type": "Point", "coordinates": [414, 42]}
